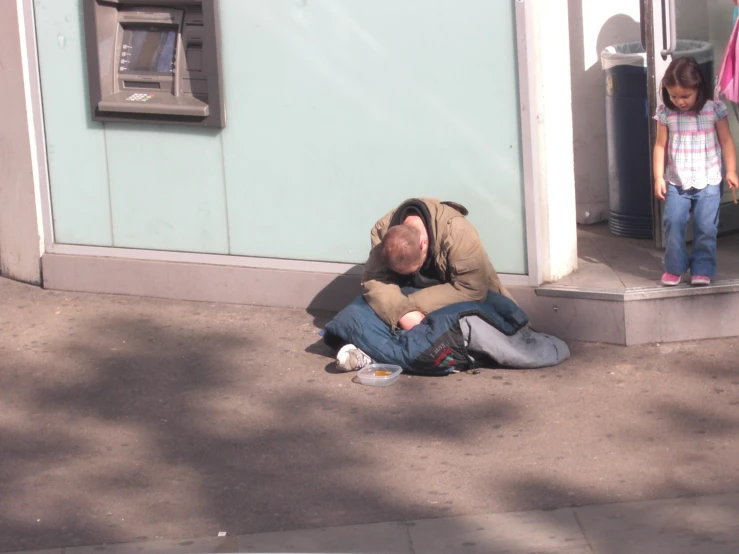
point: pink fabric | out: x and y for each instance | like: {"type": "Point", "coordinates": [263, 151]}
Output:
{"type": "Point", "coordinates": [727, 81]}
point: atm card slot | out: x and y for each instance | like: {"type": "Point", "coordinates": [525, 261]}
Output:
{"type": "Point", "coordinates": [142, 84]}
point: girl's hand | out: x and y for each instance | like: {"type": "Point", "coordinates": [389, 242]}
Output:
{"type": "Point", "coordinates": [732, 179]}
{"type": "Point", "coordinates": [660, 188]}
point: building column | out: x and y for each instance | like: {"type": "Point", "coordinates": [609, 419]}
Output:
{"type": "Point", "coordinates": [21, 237]}
{"type": "Point", "coordinates": [552, 206]}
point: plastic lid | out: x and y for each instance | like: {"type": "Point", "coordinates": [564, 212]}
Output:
{"type": "Point", "coordinates": [632, 53]}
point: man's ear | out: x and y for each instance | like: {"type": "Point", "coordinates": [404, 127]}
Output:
{"type": "Point", "coordinates": [424, 246]}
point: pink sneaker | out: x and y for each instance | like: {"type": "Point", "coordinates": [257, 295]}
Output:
{"type": "Point", "coordinates": [670, 280]}
{"type": "Point", "coordinates": [700, 280]}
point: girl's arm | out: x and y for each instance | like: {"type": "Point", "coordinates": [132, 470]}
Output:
{"type": "Point", "coordinates": [658, 161]}
{"type": "Point", "coordinates": [729, 151]}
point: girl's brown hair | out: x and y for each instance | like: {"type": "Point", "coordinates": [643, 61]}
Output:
{"type": "Point", "coordinates": [685, 72]}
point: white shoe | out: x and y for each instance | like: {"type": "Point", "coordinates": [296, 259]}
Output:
{"type": "Point", "coordinates": [351, 358]}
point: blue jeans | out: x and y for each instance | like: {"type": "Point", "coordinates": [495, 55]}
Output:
{"type": "Point", "coordinates": [704, 205]}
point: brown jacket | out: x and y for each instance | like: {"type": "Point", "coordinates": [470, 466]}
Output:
{"type": "Point", "coordinates": [459, 260]}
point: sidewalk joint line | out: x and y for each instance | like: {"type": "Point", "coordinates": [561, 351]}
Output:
{"type": "Point", "coordinates": [582, 531]}
{"type": "Point", "coordinates": [410, 539]}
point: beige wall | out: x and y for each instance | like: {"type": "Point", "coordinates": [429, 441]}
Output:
{"type": "Point", "coordinates": [593, 26]}
{"type": "Point", "coordinates": [20, 241]}
{"type": "Point", "coordinates": [719, 25]}
{"type": "Point", "coordinates": [692, 18]}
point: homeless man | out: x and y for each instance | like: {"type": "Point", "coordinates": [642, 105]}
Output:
{"type": "Point", "coordinates": [428, 245]}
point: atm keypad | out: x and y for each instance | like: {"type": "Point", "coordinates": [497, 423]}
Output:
{"type": "Point", "coordinates": [140, 97]}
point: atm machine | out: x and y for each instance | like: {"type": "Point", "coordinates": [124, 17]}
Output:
{"type": "Point", "coordinates": [155, 61]}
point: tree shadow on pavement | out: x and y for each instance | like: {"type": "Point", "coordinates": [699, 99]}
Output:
{"type": "Point", "coordinates": [138, 426]}
{"type": "Point", "coordinates": [128, 419]}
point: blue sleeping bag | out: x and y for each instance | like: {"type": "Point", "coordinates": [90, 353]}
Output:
{"type": "Point", "coordinates": [436, 346]}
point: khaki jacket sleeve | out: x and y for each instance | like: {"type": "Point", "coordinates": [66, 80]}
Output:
{"type": "Point", "coordinates": [380, 290]}
{"type": "Point", "coordinates": [467, 269]}
{"type": "Point", "coordinates": [495, 285]}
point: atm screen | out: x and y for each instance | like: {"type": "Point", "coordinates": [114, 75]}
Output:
{"type": "Point", "coordinates": [148, 50]}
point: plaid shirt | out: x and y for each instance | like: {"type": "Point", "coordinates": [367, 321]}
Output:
{"type": "Point", "coordinates": [693, 149]}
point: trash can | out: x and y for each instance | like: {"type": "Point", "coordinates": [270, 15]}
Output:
{"type": "Point", "coordinates": [627, 132]}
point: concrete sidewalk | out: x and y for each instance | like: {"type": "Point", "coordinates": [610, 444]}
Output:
{"type": "Point", "coordinates": [700, 525]}
{"type": "Point", "coordinates": [131, 421]}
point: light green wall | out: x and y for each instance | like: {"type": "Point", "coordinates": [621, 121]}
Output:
{"type": "Point", "coordinates": [337, 111]}
{"type": "Point", "coordinates": [75, 145]}
{"type": "Point", "coordinates": [166, 188]}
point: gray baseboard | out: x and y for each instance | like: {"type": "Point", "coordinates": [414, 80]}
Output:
{"type": "Point", "coordinates": [626, 317]}
{"type": "Point", "coordinates": [200, 282]}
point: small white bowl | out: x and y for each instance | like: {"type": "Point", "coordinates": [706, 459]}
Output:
{"type": "Point", "coordinates": [379, 375]}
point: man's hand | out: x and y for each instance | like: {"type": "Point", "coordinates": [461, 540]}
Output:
{"type": "Point", "coordinates": [410, 320]}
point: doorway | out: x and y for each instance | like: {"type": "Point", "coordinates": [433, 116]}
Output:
{"type": "Point", "coordinates": [663, 23]}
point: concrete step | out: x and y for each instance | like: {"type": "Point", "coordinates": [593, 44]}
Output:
{"type": "Point", "coordinates": [636, 315]}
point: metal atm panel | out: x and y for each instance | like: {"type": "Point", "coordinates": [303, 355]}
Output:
{"type": "Point", "coordinates": [154, 61]}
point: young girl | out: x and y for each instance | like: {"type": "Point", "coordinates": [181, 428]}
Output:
{"type": "Point", "coordinates": [692, 133]}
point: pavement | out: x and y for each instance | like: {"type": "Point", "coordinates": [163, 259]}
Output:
{"type": "Point", "coordinates": [700, 525]}
{"type": "Point", "coordinates": [145, 425]}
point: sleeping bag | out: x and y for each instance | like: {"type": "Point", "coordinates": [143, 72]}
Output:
{"type": "Point", "coordinates": [457, 337]}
